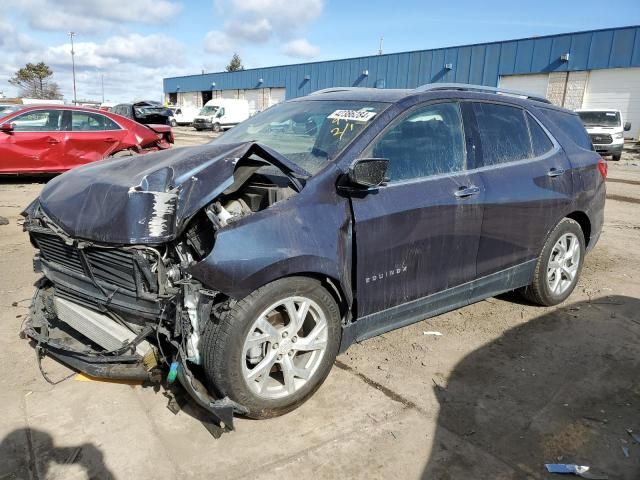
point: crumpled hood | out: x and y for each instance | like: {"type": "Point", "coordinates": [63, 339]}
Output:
{"type": "Point", "coordinates": [146, 199]}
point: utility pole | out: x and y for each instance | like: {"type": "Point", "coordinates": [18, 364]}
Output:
{"type": "Point", "coordinates": [102, 83]}
{"type": "Point", "coordinates": [73, 68]}
{"type": "Point", "coordinates": [381, 45]}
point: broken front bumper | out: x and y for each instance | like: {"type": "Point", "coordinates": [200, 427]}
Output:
{"type": "Point", "coordinates": [84, 339]}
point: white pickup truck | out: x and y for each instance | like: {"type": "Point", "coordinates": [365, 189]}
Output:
{"type": "Point", "coordinates": [606, 129]}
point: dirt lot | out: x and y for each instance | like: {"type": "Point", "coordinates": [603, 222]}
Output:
{"type": "Point", "coordinates": [505, 389]}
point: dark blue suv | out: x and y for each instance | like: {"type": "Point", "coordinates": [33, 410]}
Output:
{"type": "Point", "coordinates": [242, 267]}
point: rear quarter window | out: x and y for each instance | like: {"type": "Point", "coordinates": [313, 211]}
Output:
{"type": "Point", "coordinates": [570, 125]}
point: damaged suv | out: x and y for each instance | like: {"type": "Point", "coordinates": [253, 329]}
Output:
{"type": "Point", "coordinates": [242, 267]}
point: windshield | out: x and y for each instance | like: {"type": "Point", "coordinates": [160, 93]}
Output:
{"type": "Point", "coordinates": [208, 110]}
{"type": "Point", "coordinates": [600, 119]}
{"type": "Point", "coordinates": [309, 132]}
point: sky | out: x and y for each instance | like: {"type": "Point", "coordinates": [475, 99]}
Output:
{"type": "Point", "coordinates": [131, 45]}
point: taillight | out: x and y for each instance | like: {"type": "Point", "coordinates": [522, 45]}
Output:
{"type": "Point", "coordinates": [603, 168]}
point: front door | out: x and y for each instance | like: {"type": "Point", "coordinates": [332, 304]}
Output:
{"type": "Point", "coordinates": [419, 234]}
{"type": "Point", "coordinates": [36, 143]}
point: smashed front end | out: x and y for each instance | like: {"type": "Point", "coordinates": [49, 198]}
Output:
{"type": "Point", "coordinates": [117, 299]}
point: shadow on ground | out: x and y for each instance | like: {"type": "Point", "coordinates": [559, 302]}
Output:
{"type": "Point", "coordinates": [31, 453]}
{"type": "Point", "coordinates": [562, 388]}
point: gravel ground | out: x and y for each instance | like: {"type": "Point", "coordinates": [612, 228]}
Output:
{"type": "Point", "coordinates": [505, 389]}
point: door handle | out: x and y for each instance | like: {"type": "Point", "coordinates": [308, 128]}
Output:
{"type": "Point", "coordinates": [555, 172]}
{"type": "Point", "coordinates": [109, 140]}
{"type": "Point", "coordinates": [464, 192]}
{"type": "Point", "coordinates": [52, 141]}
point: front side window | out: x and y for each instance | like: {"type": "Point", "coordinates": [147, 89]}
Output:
{"type": "Point", "coordinates": [503, 133]}
{"type": "Point", "coordinates": [88, 122]}
{"type": "Point", "coordinates": [38, 121]}
{"type": "Point", "coordinates": [308, 132]}
{"type": "Point", "coordinates": [430, 141]}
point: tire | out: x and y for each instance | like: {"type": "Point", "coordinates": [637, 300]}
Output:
{"type": "Point", "coordinates": [174, 123]}
{"type": "Point", "coordinates": [616, 157]}
{"type": "Point", "coordinates": [541, 291]}
{"type": "Point", "coordinates": [216, 128]}
{"type": "Point", "coordinates": [226, 348]}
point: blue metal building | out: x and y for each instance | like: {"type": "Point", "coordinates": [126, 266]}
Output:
{"type": "Point", "coordinates": [548, 65]}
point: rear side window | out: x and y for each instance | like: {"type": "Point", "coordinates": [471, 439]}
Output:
{"type": "Point", "coordinates": [88, 122]}
{"type": "Point", "coordinates": [540, 142]}
{"type": "Point", "coordinates": [430, 141]}
{"type": "Point", "coordinates": [503, 133]}
{"type": "Point", "coordinates": [571, 126]}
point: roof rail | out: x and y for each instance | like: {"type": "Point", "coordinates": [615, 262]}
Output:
{"type": "Point", "coordinates": [429, 87]}
{"type": "Point", "coordinates": [333, 89]}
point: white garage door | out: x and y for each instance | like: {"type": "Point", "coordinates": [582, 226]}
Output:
{"type": "Point", "coordinates": [617, 88]}
{"type": "Point", "coordinates": [256, 99]}
{"type": "Point", "coordinates": [277, 95]}
{"type": "Point", "coordinates": [536, 83]}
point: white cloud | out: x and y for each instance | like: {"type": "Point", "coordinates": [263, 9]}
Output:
{"type": "Point", "coordinates": [217, 42]}
{"type": "Point", "coordinates": [151, 50]}
{"type": "Point", "coordinates": [249, 30]}
{"type": "Point", "coordinates": [286, 14]}
{"type": "Point", "coordinates": [262, 21]}
{"type": "Point", "coordinates": [12, 39]}
{"type": "Point", "coordinates": [300, 48]}
{"type": "Point", "coordinates": [100, 15]}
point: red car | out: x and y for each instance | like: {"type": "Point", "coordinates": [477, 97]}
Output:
{"type": "Point", "coordinates": [55, 138]}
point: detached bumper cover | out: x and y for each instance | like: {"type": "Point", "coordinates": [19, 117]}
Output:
{"type": "Point", "coordinates": [122, 364]}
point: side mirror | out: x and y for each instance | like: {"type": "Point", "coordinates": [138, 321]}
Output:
{"type": "Point", "coordinates": [627, 126]}
{"type": "Point", "coordinates": [7, 128]}
{"type": "Point", "coordinates": [368, 172]}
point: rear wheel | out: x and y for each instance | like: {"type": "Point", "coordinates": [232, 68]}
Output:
{"type": "Point", "coordinates": [272, 350]}
{"type": "Point", "coordinates": [558, 266]}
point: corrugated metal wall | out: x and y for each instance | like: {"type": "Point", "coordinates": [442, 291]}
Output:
{"type": "Point", "coordinates": [478, 64]}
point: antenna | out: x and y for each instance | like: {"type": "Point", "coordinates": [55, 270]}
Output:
{"type": "Point", "coordinates": [381, 45]}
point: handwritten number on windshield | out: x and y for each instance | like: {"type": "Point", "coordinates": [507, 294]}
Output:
{"type": "Point", "coordinates": [337, 131]}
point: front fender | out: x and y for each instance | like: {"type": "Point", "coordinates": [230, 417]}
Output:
{"type": "Point", "coordinates": [306, 234]}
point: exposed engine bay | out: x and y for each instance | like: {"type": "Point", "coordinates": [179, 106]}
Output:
{"type": "Point", "coordinates": [135, 311]}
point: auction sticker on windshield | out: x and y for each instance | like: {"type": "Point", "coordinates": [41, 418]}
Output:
{"type": "Point", "coordinates": [352, 115]}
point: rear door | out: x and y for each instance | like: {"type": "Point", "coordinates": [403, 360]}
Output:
{"type": "Point", "coordinates": [36, 144]}
{"type": "Point", "coordinates": [528, 185]}
{"type": "Point", "coordinates": [93, 137]}
{"type": "Point", "coordinates": [418, 234]}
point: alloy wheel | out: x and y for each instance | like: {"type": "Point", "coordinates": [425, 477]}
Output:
{"type": "Point", "coordinates": [563, 264]}
{"type": "Point", "coordinates": [284, 347]}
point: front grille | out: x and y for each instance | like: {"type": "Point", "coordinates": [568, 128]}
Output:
{"type": "Point", "coordinates": [600, 138]}
{"type": "Point", "coordinates": [112, 266]}
{"type": "Point", "coordinates": [199, 120]}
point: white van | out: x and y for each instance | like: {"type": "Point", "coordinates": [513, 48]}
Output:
{"type": "Point", "coordinates": [221, 113]}
{"type": "Point", "coordinates": [606, 129]}
{"type": "Point", "coordinates": [184, 115]}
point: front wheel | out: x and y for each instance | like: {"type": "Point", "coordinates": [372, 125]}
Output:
{"type": "Point", "coordinates": [616, 157]}
{"type": "Point", "coordinates": [272, 350]}
{"type": "Point", "coordinates": [216, 127]}
{"type": "Point", "coordinates": [558, 266]}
